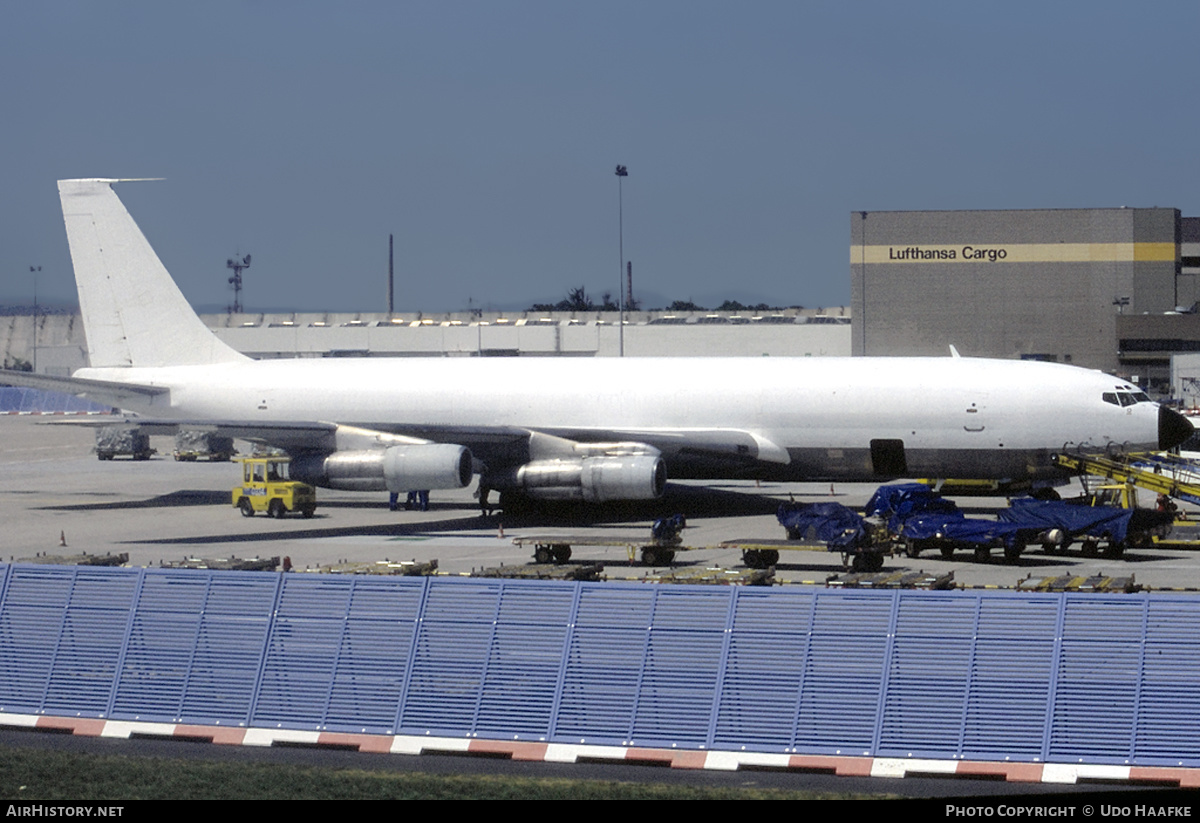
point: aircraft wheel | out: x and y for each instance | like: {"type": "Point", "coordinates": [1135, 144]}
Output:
{"type": "Point", "coordinates": [652, 556]}
{"type": "Point", "coordinates": [515, 503]}
{"type": "Point", "coordinates": [246, 506]}
{"type": "Point", "coordinates": [867, 562]}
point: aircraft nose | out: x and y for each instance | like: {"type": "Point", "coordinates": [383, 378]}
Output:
{"type": "Point", "coordinates": [1173, 428]}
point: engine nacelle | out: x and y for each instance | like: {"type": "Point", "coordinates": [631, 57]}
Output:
{"type": "Point", "coordinates": [395, 469]}
{"type": "Point", "coordinates": [593, 479]}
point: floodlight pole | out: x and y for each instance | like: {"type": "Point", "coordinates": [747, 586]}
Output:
{"type": "Point", "coordinates": [622, 173]}
{"type": "Point", "coordinates": [237, 264]}
{"type": "Point", "coordinates": [35, 270]}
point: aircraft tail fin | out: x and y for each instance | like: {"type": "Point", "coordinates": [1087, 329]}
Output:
{"type": "Point", "coordinates": [133, 313]}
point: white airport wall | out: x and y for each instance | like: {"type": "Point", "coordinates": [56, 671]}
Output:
{"type": "Point", "coordinates": [62, 348]}
{"type": "Point", "coordinates": [581, 340]}
{"type": "Point", "coordinates": [60, 345]}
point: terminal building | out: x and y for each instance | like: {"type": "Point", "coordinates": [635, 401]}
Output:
{"type": "Point", "coordinates": [1111, 289]}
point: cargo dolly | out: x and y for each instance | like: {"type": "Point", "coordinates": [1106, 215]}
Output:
{"type": "Point", "coordinates": [84, 559]}
{"type": "Point", "coordinates": [544, 571]}
{"type": "Point", "coordinates": [758, 553]}
{"type": "Point", "coordinates": [1071, 583]}
{"type": "Point", "coordinates": [659, 550]}
{"type": "Point", "coordinates": [556, 548]}
{"type": "Point", "coordinates": [233, 564]}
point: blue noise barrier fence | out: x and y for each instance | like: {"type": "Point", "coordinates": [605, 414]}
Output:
{"type": "Point", "coordinates": [949, 675]}
{"type": "Point", "coordinates": [36, 401]}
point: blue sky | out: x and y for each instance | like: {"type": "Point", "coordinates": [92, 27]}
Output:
{"type": "Point", "coordinates": [485, 135]}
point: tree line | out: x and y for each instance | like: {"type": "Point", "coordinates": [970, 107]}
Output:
{"type": "Point", "coordinates": [578, 300]}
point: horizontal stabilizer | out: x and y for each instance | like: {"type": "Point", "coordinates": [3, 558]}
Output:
{"type": "Point", "coordinates": [105, 391]}
{"type": "Point", "coordinates": [295, 437]}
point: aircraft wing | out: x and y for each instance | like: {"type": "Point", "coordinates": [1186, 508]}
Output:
{"type": "Point", "coordinates": [497, 446]}
{"type": "Point", "coordinates": [513, 445]}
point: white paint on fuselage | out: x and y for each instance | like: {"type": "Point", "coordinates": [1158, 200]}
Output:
{"type": "Point", "coordinates": [827, 403]}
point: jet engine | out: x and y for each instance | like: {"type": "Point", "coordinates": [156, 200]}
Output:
{"type": "Point", "coordinates": [394, 469]}
{"type": "Point", "coordinates": [593, 479]}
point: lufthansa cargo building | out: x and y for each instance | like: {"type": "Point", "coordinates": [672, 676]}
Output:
{"type": "Point", "coordinates": [1037, 284]}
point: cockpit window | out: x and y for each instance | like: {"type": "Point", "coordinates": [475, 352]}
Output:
{"type": "Point", "coordinates": [1125, 398]}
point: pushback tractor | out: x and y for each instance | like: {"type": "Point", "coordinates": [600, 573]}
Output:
{"type": "Point", "coordinates": [267, 487]}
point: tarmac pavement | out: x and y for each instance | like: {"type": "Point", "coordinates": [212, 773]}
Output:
{"type": "Point", "coordinates": [53, 487]}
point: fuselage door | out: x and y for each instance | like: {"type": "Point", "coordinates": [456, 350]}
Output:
{"type": "Point", "coordinates": [888, 459]}
{"type": "Point", "coordinates": [973, 416]}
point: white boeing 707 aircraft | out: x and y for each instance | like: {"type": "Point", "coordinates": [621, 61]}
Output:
{"type": "Point", "coordinates": [560, 429]}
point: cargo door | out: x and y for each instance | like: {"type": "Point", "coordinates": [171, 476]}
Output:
{"type": "Point", "coordinates": [887, 458]}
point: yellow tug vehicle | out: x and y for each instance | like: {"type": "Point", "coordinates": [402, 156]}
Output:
{"type": "Point", "coordinates": [266, 487]}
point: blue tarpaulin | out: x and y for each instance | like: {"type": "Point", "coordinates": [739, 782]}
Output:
{"type": "Point", "coordinates": [917, 513]}
{"type": "Point", "coordinates": [1101, 522]}
{"type": "Point", "coordinates": [900, 501]}
{"type": "Point", "coordinates": [831, 523]}
{"type": "Point", "coordinates": [966, 531]}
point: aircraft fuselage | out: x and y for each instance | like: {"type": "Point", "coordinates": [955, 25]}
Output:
{"type": "Point", "coordinates": [807, 418]}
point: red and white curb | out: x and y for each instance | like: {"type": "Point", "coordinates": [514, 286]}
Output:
{"type": "Point", "coordinates": [569, 753]}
